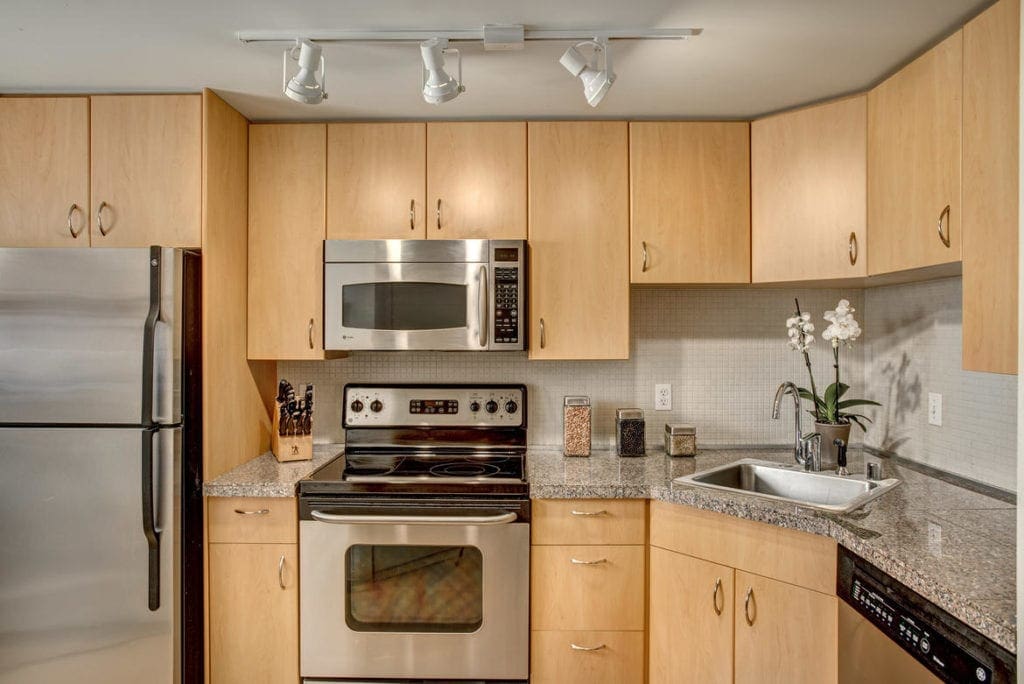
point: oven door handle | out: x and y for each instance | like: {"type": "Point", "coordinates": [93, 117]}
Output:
{"type": "Point", "coordinates": [339, 519]}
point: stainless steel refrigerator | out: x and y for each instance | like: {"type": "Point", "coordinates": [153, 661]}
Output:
{"type": "Point", "coordinates": [100, 466]}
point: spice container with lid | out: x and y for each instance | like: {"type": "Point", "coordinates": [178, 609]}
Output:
{"type": "Point", "coordinates": [576, 425]}
{"type": "Point", "coordinates": [629, 432]}
{"type": "Point", "coordinates": [680, 440]}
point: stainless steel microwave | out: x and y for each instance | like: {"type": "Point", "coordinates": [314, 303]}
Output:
{"type": "Point", "coordinates": [441, 295]}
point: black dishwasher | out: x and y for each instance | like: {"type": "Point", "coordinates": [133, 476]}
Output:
{"type": "Point", "coordinates": [950, 649]}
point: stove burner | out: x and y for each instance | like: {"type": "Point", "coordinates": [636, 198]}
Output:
{"type": "Point", "coordinates": [464, 469]}
{"type": "Point", "coordinates": [371, 470]}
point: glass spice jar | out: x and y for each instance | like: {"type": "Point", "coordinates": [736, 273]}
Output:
{"type": "Point", "coordinates": [680, 440]}
{"type": "Point", "coordinates": [576, 426]}
{"type": "Point", "coordinates": [630, 439]}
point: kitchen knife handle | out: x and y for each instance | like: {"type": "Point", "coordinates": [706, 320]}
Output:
{"type": "Point", "coordinates": [484, 307]}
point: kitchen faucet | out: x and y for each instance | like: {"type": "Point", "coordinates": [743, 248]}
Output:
{"type": "Point", "coordinates": [806, 448]}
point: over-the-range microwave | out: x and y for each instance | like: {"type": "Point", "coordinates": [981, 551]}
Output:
{"type": "Point", "coordinates": [440, 295]}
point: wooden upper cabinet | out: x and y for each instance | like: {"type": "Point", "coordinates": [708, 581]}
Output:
{"type": "Point", "coordinates": [690, 189]}
{"type": "Point", "coordinates": [287, 216]}
{"type": "Point", "coordinates": [376, 181]}
{"type": "Point", "coordinates": [44, 172]}
{"type": "Point", "coordinates": [146, 170]}
{"type": "Point", "coordinates": [990, 188]}
{"type": "Point", "coordinates": [579, 240]}
{"type": "Point", "coordinates": [914, 131]}
{"type": "Point", "coordinates": [476, 180]}
{"type": "Point", "coordinates": [809, 193]}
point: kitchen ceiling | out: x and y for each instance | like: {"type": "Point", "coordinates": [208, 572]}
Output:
{"type": "Point", "coordinates": [754, 57]}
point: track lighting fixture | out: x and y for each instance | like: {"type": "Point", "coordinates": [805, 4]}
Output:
{"type": "Point", "coordinates": [438, 85]}
{"type": "Point", "coordinates": [303, 87]}
{"type": "Point", "coordinates": [596, 81]}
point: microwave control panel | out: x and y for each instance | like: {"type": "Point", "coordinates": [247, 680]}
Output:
{"type": "Point", "coordinates": [507, 327]}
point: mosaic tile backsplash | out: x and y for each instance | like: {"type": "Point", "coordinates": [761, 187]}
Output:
{"type": "Point", "coordinates": [724, 352]}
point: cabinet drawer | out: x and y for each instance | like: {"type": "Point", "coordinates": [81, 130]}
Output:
{"type": "Point", "coordinates": [618, 658]}
{"type": "Point", "coordinates": [589, 521]}
{"type": "Point", "coordinates": [587, 587]}
{"type": "Point", "coordinates": [252, 521]}
{"type": "Point", "coordinates": [799, 558]}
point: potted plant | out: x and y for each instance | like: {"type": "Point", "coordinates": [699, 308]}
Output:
{"type": "Point", "coordinates": [833, 417]}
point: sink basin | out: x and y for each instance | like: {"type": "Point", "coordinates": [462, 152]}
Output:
{"type": "Point", "coordinates": [791, 483]}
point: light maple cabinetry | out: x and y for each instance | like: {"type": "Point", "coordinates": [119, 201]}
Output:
{"type": "Point", "coordinates": [287, 215]}
{"type": "Point", "coordinates": [44, 172]}
{"type": "Point", "coordinates": [476, 180]}
{"type": "Point", "coordinates": [990, 188]}
{"type": "Point", "coordinates": [146, 170]}
{"type": "Point", "coordinates": [690, 202]}
{"type": "Point", "coordinates": [579, 240]}
{"type": "Point", "coordinates": [809, 193]}
{"type": "Point", "coordinates": [914, 137]}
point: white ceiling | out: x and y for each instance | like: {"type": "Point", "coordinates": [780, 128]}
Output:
{"type": "Point", "coordinates": [754, 57]}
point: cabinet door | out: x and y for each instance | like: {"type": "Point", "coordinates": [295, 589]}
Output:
{"type": "Point", "coordinates": [914, 124]}
{"type": "Point", "coordinates": [690, 191]}
{"type": "Point", "coordinates": [476, 180]}
{"type": "Point", "coordinates": [376, 180]}
{"type": "Point", "coordinates": [691, 619]}
{"type": "Point", "coordinates": [809, 192]}
{"type": "Point", "coordinates": [44, 172]}
{"type": "Point", "coordinates": [579, 240]}
{"type": "Point", "coordinates": [287, 183]}
{"type": "Point", "coordinates": [146, 170]}
{"type": "Point", "coordinates": [991, 172]}
{"type": "Point", "coordinates": [784, 631]}
{"type": "Point", "coordinates": [254, 613]}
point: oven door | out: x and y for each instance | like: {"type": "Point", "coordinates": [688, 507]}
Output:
{"type": "Point", "coordinates": [399, 306]}
{"type": "Point", "coordinates": [434, 593]}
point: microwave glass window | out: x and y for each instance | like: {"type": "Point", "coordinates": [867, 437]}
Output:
{"type": "Point", "coordinates": [433, 589]}
{"type": "Point", "coordinates": [403, 306]}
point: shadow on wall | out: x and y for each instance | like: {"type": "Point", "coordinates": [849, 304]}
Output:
{"type": "Point", "coordinates": [903, 399]}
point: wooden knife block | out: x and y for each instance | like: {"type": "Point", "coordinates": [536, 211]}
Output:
{"type": "Point", "coordinates": [289, 448]}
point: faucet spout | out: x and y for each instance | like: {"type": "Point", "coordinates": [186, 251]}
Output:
{"type": "Point", "coordinates": [790, 389]}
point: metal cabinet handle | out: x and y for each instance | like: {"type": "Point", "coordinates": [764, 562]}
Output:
{"type": "Point", "coordinates": [543, 339]}
{"type": "Point", "coordinates": [412, 214]}
{"type": "Point", "coordinates": [577, 561]}
{"type": "Point", "coordinates": [483, 308]}
{"type": "Point", "coordinates": [746, 606]}
{"type": "Point", "coordinates": [577, 647]}
{"type": "Point", "coordinates": [99, 219]}
{"type": "Point", "coordinates": [854, 249]}
{"type": "Point", "coordinates": [589, 513]}
{"type": "Point", "coordinates": [439, 213]}
{"type": "Point", "coordinates": [71, 228]}
{"type": "Point", "coordinates": [714, 597]}
{"type": "Point", "coordinates": [643, 247]}
{"type": "Point", "coordinates": [311, 333]}
{"type": "Point", "coordinates": [280, 572]}
{"type": "Point", "coordinates": [261, 511]}
{"type": "Point", "coordinates": [944, 236]}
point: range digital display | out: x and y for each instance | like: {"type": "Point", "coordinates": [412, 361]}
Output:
{"type": "Point", "coordinates": [419, 406]}
{"type": "Point", "coordinates": [506, 254]}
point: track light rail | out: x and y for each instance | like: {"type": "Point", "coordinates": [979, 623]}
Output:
{"type": "Point", "coordinates": [460, 35]}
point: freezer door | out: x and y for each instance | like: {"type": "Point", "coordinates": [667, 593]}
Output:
{"type": "Point", "coordinates": [75, 580]}
{"type": "Point", "coordinates": [73, 331]}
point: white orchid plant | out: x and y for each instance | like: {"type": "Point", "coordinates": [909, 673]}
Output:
{"type": "Point", "coordinates": [842, 331]}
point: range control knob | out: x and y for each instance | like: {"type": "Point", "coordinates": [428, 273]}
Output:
{"type": "Point", "coordinates": [376, 406]}
{"type": "Point", "coordinates": [491, 406]}
{"type": "Point", "coordinates": [356, 406]}
{"type": "Point", "coordinates": [474, 406]}
{"type": "Point", "coordinates": [925, 645]}
{"type": "Point", "coordinates": [511, 406]}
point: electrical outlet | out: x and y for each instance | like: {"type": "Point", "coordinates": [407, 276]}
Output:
{"type": "Point", "coordinates": [663, 397]}
{"type": "Point", "coordinates": [934, 408]}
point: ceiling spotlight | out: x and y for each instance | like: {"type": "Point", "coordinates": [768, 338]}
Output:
{"type": "Point", "coordinates": [303, 86]}
{"type": "Point", "coordinates": [438, 85]}
{"type": "Point", "coordinates": [596, 82]}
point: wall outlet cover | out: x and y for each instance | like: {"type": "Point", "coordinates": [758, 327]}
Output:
{"type": "Point", "coordinates": [934, 408]}
{"type": "Point", "coordinates": [663, 397]}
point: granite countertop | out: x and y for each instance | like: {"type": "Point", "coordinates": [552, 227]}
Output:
{"type": "Point", "coordinates": [263, 476]}
{"type": "Point", "coordinates": [952, 544]}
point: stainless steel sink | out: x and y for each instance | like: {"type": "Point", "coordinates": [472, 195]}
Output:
{"type": "Point", "coordinates": [791, 483]}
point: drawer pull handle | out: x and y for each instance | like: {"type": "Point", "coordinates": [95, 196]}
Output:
{"type": "Point", "coordinates": [854, 249]}
{"type": "Point", "coordinates": [99, 219]}
{"type": "Point", "coordinates": [589, 514]}
{"type": "Point", "coordinates": [746, 607]}
{"type": "Point", "coordinates": [412, 214]}
{"type": "Point", "coordinates": [944, 237]}
{"type": "Point", "coordinates": [71, 228]}
{"type": "Point", "coordinates": [577, 561]}
{"type": "Point", "coordinates": [280, 572]}
{"type": "Point", "coordinates": [719, 606]}
{"type": "Point", "coordinates": [643, 267]}
{"type": "Point", "coordinates": [261, 511]}
{"type": "Point", "coordinates": [577, 647]}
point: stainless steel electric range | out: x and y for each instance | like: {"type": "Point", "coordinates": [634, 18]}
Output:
{"type": "Point", "coordinates": [415, 544]}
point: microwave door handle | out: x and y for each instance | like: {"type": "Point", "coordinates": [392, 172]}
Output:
{"type": "Point", "coordinates": [484, 307]}
{"type": "Point", "coordinates": [450, 520]}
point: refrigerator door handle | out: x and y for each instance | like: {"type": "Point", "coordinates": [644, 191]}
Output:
{"type": "Point", "coordinates": [149, 524]}
{"type": "Point", "coordinates": [149, 336]}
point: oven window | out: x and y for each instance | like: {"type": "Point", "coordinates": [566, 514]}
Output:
{"type": "Point", "coordinates": [414, 588]}
{"type": "Point", "coordinates": [403, 306]}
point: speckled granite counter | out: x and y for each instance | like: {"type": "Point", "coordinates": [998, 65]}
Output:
{"type": "Point", "coordinates": [952, 545]}
{"type": "Point", "coordinates": [264, 476]}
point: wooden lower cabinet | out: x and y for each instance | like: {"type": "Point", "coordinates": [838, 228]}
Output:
{"type": "Point", "coordinates": [691, 619]}
{"type": "Point", "coordinates": [587, 657]}
{"type": "Point", "coordinates": [784, 633]}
